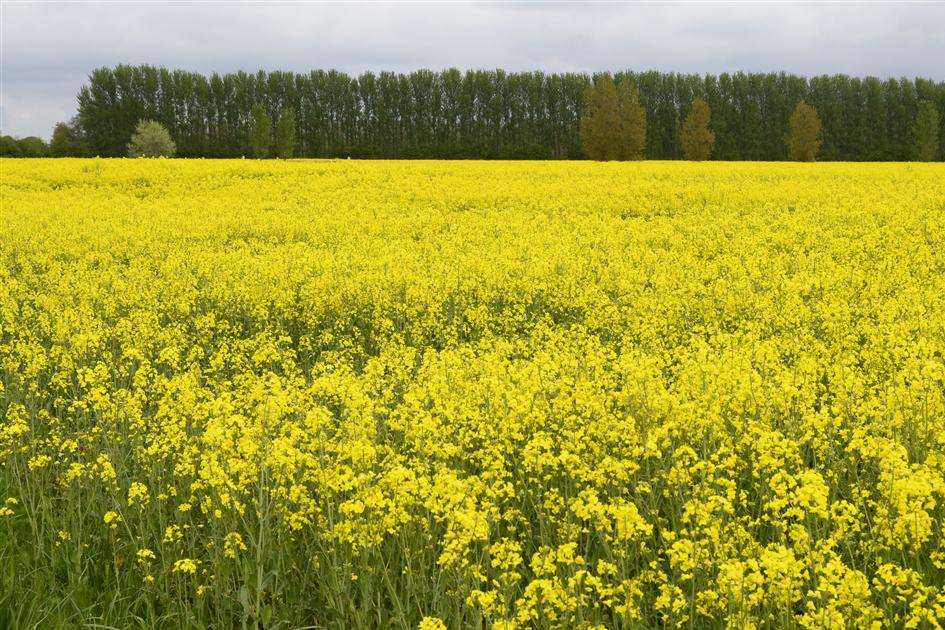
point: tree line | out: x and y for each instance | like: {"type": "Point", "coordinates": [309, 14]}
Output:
{"type": "Point", "coordinates": [493, 114]}
{"type": "Point", "coordinates": [613, 126]}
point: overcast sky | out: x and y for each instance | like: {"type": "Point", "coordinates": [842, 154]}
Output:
{"type": "Point", "coordinates": [48, 48]}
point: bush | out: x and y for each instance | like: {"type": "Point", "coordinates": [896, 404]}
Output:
{"type": "Point", "coordinates": [151, 139]}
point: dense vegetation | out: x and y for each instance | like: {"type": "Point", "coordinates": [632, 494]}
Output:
{"type": "Point", "coordinates": [495, 114]}
{"type": "Point", "coordinates": [349, 394]}
{"type": "Point", "coordinates": [29, 147]}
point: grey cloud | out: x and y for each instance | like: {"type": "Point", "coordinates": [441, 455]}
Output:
{"type": "Point", "coordinates": [49, 48]}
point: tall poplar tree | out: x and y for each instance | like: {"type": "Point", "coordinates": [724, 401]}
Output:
{"type": "Point", "coordinates": [803, 138]}
{"type": "Point", "coordinates": [285, 134]}
{"type": "Point", "coordinates": [695, 136]}
{"type": "Point", "coordinates": [925, 130]}
{"type": "Point", "coordinates": [260, 132]}
{"type": "Point", "coordinates": [632, 131]}
{"type": "Point", "coordinates": [600, 122]}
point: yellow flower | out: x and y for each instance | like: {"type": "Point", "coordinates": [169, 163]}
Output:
{"type": "Point", "coordinates": [431, 623]}
{"type": "Point", "coordinates": [137, 494]}
{"type": "Point", "coordinates": [111, 519]}
{"type": "Point", "coordinates": [39, 461]}
{"type": "Point", "coordinates": [185, 565]}
{"type": "Point", "coordinates": [145, 556]}
{"type": "Point", "coordinates": [233, 545]}
{"type": "Point", "coordinates": [651, 393]}
{"type": "Point", "coordinates": [173, 533]}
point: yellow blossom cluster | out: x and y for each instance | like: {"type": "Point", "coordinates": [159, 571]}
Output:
{"type": "Point", "coordinates": [466, 394]}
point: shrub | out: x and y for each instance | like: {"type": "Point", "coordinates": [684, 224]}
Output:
{"type": "Point", "coordinates": [151, 139]}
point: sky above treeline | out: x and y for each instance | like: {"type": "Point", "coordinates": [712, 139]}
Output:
{"type": "Point", "coordinates": [49, 48]}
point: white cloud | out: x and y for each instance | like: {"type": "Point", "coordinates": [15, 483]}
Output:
{"type": "Point", "coordinates": [49, 48]}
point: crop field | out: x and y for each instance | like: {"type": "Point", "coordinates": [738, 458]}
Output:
{"type": "Point", "coordinates": [345, 394]}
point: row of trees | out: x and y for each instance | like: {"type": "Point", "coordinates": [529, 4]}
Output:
{"type": "Point", "coordinates": [494, 114]}
{"type": "Point", "coordinates": [613, 127]}
{"type": "Point", "coordinates": [266, 141]}
{"type": "Point", "coordinates": [67, 140]}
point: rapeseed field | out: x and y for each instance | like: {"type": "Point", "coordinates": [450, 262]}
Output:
{"type": "Point", "coordinates": [343, 394]}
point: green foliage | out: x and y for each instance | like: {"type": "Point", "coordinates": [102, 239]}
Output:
{"type": "Point", "coordinates": [554, 393]}
{"type": "Point", "coordinates": [496, 114]}
{"type": "Point", "coordinates": [28, 147]}
{"type": "Point", "coordinates": [67, 141]}
{"type": "Point", "coordinates": [632, 133]}
{"type": "Point", "coordinates": [260, 132]}
{"type": "Point", "coordinates": [151, 139]}
{"type": "Point", "coordinates": [695, 136]}
{"type": "Point", "coordinates": [600, 123]}
{"type": "Point", "coordinates": [9, 147]}
{"type": "Point", "coordinates": [285, 134]}
{"type": "Point", "coordinates": [33, 147]}
{"type": "Point", "coordinates": [613, 125]}
{"type": "Point", "coordinates": [803, 138]}
{"type": "Point", "coordinates": [925, 130]}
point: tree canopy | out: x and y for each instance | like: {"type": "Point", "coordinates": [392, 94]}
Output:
{"type": "Point", "coordinates": [151, 139]}
{"type": "Point", "coordinates": [284, 145]}
{"type": "Point", "coordinates": [803, 137]}
{"type": "Point", "coordinates": [260, 132]}
{"type": "Point", "coordinates": [926, 131]}
{"type": "Point", "coordinates": [695, 136]}
{"type": "Point", "coordinates": [496, 114]}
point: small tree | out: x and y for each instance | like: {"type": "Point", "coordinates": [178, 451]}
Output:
{"type": "Point", "coordinates": [151, 139]}
{"type": "Point", "coordinates": [260, 132]}
{"type": "Point", "coordinates": [695, 136]}
{"type": "Point", "coordinates": [67, 141]}
{"type": "Point", "coordinates": [285, 134]}
{"type": "Point", "coordinates": [925, 130]}
{"type": "Point", "coordinates": [632, 131]}
{"type": "Point", "coordinates": [600, 122]}
{"type": "Point", "coordinates": [803, 138]}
